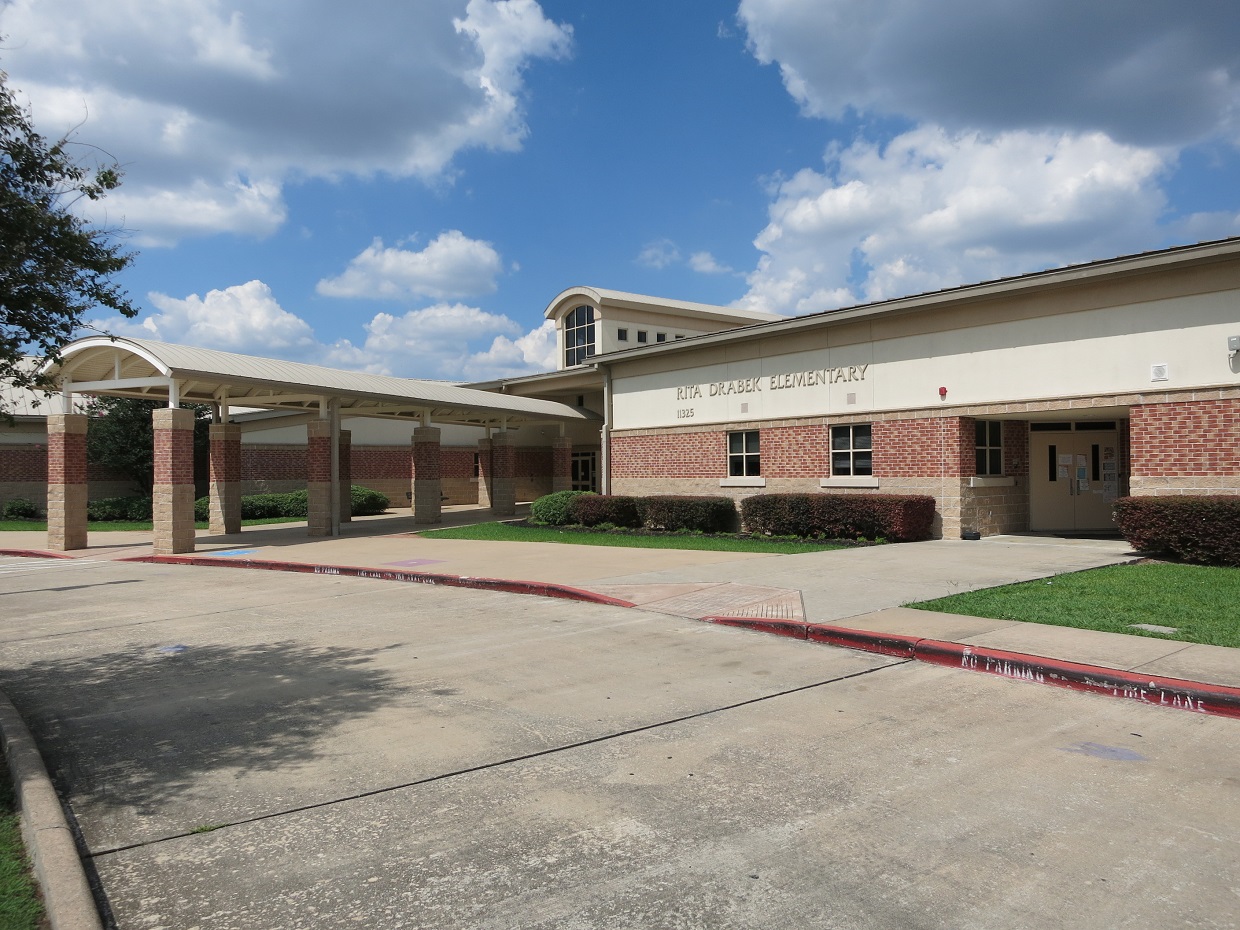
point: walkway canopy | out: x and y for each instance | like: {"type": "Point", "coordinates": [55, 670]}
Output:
{"type": "Point", "coordinates": [310, 394]}
{"type": "Point", "coordinates": [186, 374]}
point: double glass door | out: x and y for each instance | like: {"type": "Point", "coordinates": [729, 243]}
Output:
{"type": "Point", "coordinates": [1074, 477]}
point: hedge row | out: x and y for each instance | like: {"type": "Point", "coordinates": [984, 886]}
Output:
{"type": "Point", "coordinates": [364, 502]}
{"type": "Point", "coordinates": [704, 514]}
{"type": "Point", "coordinates": [1196, 529]}
{"type": "Point", "coordinates": [895, 517]}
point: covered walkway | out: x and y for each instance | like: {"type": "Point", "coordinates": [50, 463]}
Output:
{"type": "Point", "coordinates": [305, 394]}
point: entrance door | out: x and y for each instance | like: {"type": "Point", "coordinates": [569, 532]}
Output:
{"type": "Point", "coordinates": [585, 471]}
{"type": "Point", "coordinates": [1074, 476]}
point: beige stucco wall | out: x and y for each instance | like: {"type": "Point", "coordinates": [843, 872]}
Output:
{"type": "Point", "coordinates": [1022, 359]}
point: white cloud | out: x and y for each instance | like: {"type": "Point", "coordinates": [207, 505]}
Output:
{"type": "Point", "coordinates": [705, 263]}
{"type": "Point", "coordinates": [203, 99]}
{"type": "Point", "coordinates": [934, 209]}
{"type": "Point", "coordinates": [451, 266]}
{"type": "Point", "coordinates": [659, 254]}
{"type": "Point", "coordinates": [242, 318]}
{"type": "Point", "coordinates": [1162, 72]}
{"type": "Point", "coordinates": [443, 341]}
{"type": "Point", "coordinates": [509, 358]}
{"type": "Point", "coordinates": [1042, 135]}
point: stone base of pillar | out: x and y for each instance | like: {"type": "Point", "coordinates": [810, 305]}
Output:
{"type": "Point", "coordinates": [320, 508]}
{"type": "Point", "coordinates": [225, 507]}
{"type": "Point", "coordinates": [174, 534]}
{"type": "Point", "coordinates": [427, 502]}
{"type": "Point", "coordinates": [66, 517]}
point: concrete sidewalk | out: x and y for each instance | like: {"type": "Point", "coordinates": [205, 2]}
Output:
{"type": "Point", "coordinates": [858, 589]}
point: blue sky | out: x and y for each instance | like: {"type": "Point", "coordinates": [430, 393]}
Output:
{"type": "Point", "coordinates": [405, 187]}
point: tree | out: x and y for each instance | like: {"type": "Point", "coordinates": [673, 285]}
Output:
{"type": "Point", "coordinates": [54, 267]}
{"type": "Point", "coordinates": [120, 435]}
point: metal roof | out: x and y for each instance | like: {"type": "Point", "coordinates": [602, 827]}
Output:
{"type": "Point", "coordinates": [158, 370]}
{"type": "Point", "coordinates": [1140, 263]}
{"type": "Point", "coordinates": [604, 297]}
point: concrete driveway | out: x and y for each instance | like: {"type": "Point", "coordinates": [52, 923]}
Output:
{"type": "Point", "coordinates": [283, 751]}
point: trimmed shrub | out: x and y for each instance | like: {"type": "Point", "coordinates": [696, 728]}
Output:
{"type": "Point", "coordinates": [897, 517]}
{"type": "Point", "coordinates": [21, 509]}
{"type": "Point", "coordinates": [366, 502]}
{"type": "Point", "coordinates": [597, 509]}
{"type": "Point", "coordinates": [555, 509]}
{"type": "Point", "coordinates": [1202, 529]}
{"type": "Point", "coordinates": [676, 512]}
{"type": "Point", "coordinates": [363, 503]}
{"type": "Point", "coordinates": [123, 509]}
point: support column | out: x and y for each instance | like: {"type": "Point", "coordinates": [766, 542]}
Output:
{"type": "Point", "coordinates": [427, 473]}
{"type": "Point", "coordinates": [484, 472]}
{"type": "Point", "coordinates": [503, 483]}
{"type": "Point", "coordinates": [66, 481]}
{"type": "Point", "coordinates": [319, 476]}
{"type": "Point", "coordinates": [561, 464]}
{"type": "Point", "coordinates": [225, 479]}
{"type": "Point", "coordinates": [346, 476]}
{"type": "Point", "coordinates": [172, 496]}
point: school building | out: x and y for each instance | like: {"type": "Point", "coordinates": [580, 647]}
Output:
{"type": "Point", "coordinates": [1027, 403]}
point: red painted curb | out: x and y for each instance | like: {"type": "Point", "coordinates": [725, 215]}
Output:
{"type": "Point", "coordinates": [888, 644]}
{"type": "Point", "coordinates": [539, 588]}
{"type": "Point", "coordinates": [1220, 700]}
{"type": "Point", "coordinates": [36, 554]}
{"type": "Point", "coordinates": [793, 629]}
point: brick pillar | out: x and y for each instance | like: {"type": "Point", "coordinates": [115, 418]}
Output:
{"type": "Point", "coordinates": [346, 476]}
{"type": "Point", "coordinates": [561, 464]}
{"type": "Point", "coordinates": [319, 476]}
{"type": "Point", "coordinates": [66, 481]}
{"type": "Point", "coordinates": [225, 479]}
{"type": "Point", "coordinates": [172, 498]}
{"type": "Point", "coordinates": [427, 471]}
{"type": "Point", "coordinates": [503, 483]}
{"type": "Point", "coordinates": [484, 473]}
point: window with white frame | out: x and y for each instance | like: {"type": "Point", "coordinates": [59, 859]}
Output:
{"type": "Point", "coordinates": [622, 335]}
{"type": "Point", "coordinates": [578, 335]}
{"type": "Point", "coordinates": [851, 450]}
{"type": "Point", "coordinates": [989, 448]}
{"type": "Point", "coordinates": [744, 460]}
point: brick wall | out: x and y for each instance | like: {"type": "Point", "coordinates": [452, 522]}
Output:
{"type": "Point", "coordinates": [386, 469]}
{"type": "Point", "coordinates": [1186, 447]}
{"type": "Point", "coordinates": [928, 447]}
{"type": "Point", "coordinates": [699, 454]}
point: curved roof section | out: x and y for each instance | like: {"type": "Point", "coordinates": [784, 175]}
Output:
{"type": "Point", "coordinates": [603, 297]}
{"type": "Point", "coordinates": [158, 370]}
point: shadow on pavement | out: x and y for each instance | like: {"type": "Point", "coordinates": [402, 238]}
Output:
{"type": "Point", "coordinates": [136, 729]}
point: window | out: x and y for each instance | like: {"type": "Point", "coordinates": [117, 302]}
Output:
{"type": "Point", "coordinates": [680, 335]}
{"type": "Point", "coordinates": [743, 458]}
{"type": "Point", "coordinates": [641, 336]}
{"type": "Point", "coordinates": [578, 335]}
{"type": "Point", "coordinates": [622, 335]}
{"type": "Point", "coordinates": [660, 337]}
{"type": "Point", "coordinates": [989, 447]}
{"type": "Point", "coordinates": [851, 450]}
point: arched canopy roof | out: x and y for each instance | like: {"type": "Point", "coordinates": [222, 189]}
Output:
{"type": "Point", "coordinates": [602, 298]}
{"type": "Point", "coordinates": [178, 373]}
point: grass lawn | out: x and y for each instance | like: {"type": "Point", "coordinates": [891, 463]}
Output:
{"type": "Point", "coordinates": [507, 532]}
{"type": "Point", "coordinates": [1203, 603]}
{"type": "Point", "coordinates": [20, 908]}
{"type": "Point", "coordinates": [131, 526]}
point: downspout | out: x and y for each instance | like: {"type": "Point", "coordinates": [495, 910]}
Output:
{"type": "Point", "coordinates": [605, 434]}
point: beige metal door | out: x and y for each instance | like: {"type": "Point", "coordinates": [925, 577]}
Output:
{"type": "Point", "coordinates": [1073, 480]}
